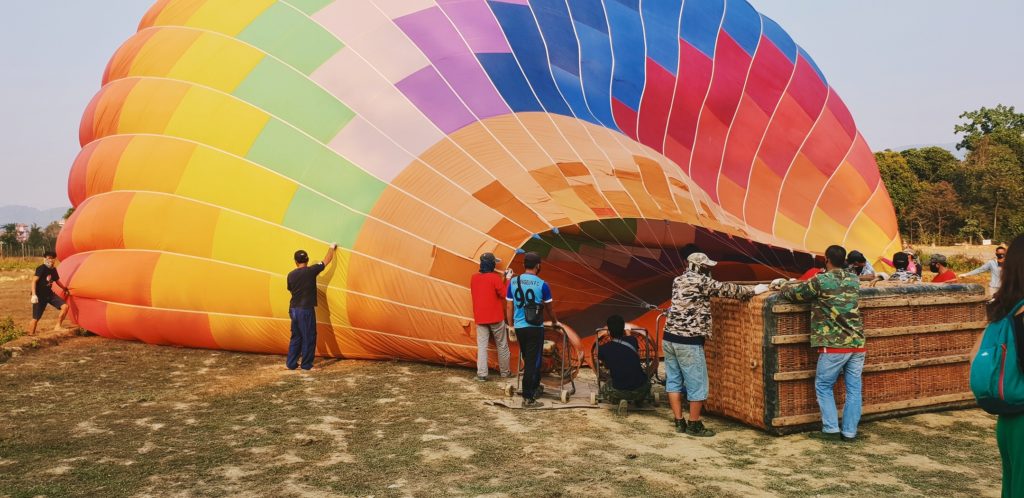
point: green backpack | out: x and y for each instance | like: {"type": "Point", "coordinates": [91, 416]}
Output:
{"type": "Point", "coordinates": [996, 378]}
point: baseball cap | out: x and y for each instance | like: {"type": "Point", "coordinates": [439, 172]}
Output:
{"type": "Point", "coordinates": [488, 256]}
{"type": "Point", "coordinates": [937, 258]}
{"type": "Point", "coordinates": [301, 256]}
{"type": "Point", "coordinates": [699, 258]}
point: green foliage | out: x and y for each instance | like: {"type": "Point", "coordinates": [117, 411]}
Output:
{"type": "Point", "coordinates": [9, 238]}
{"type": "Point", "coordinates": [961, 263]}
{"type": "Point", "coordinates": [9, 331]}
{"type": "Point", "coordinates": [971, 231]}
{"type": "Point", "coordinates": [35, 236]}
{"type": "Point", "coordinates": [900, 181]}
{"type": "Point", "coordinates": [996, 180]}
{"type": "Point", "coordinates": [51, 232]}
{"type": "Point", "coordinates": [933, 164]}
{"type": "Point", "coordinates": [940, 199]}
{"type": "Point", "coordinates": [1001, 123]}
{"type": "Point", "coordinates": [39, 240]}
{"type": "Point", "coordinates": [936, 207]}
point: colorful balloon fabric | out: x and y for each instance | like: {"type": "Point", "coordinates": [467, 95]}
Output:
{"type": "Point", "coordinates": [613, 137]}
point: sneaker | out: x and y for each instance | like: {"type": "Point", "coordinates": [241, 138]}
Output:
{"type": "Point", "coordinates": [853, 439]}
{"type": "Point", "coordinates": [680, 425]}
{"type": "Point", "coordinates": [697, 429]}
{"type": "Point", "coordinates": [481, 378]}
{"type": "Point", "coordinates": [532, 403]}
{"type": "Point", "coordinates": [623, 408]}
{"type": "Point", "coordinates": [825, 436]}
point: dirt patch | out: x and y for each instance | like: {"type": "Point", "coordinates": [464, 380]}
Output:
{"type": "Point", "coordinates": [95, 417]}
{"type": "Point", "coordinates": [448, 450]}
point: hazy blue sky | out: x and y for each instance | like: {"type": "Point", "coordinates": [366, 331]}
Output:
{"type": "Point", "coordinates": [905, 68]}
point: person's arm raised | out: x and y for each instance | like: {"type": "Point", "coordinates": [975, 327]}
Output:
{"type": "Point", "coordinates": [330, 254]}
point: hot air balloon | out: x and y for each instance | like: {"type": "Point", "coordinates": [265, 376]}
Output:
{"type": "Point", "coordinates": [613, 137]}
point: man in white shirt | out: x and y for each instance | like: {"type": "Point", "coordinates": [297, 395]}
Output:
{"type": "Point", "coordinates": [995, 269]}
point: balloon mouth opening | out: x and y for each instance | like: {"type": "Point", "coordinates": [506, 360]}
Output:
{"type": "Point", "coordinates": [626, 266]}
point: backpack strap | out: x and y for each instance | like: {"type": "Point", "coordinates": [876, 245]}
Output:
{"type": "Point", "coordinates": [628, 345]}
{"type": "Point", "coordinates": [519, 287]}
{"type": "Point", "coordinates": [1016, 308]}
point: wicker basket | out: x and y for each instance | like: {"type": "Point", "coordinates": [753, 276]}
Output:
{"type": "Point", "coordinates": [919, 337]}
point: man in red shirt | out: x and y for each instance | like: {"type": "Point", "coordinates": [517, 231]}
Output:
{"type": "Point", "coordinates": [488, 290]}
{"type": "Point", "coordinates": [942, 273]}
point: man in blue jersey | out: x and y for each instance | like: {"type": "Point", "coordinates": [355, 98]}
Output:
{"type": "Point", "coordinates": [524, 292]}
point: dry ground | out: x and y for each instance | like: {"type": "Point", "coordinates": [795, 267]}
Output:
{"type": "Point", "coordinates": [96, 417]}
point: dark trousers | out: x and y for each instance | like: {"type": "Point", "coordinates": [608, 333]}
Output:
{"type": "Point", "coordinates": [531, 347]}
{"type": "Point", "coordinates": [303, 338]}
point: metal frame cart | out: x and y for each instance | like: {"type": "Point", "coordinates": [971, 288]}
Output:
{"type": "Point", "coordinates": [559, 365]}
{"type": "Point", "coordinates": [659, 333]}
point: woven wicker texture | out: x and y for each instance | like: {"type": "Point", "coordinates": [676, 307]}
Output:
{"type": "Point", "coordinates": [798, 398]}
{"type": "Point", "coordinates": [901, 348]}
{"type": "Point", "coordinates": [919, 338]}
{"type": "Point", "coordinates": [734, 356]}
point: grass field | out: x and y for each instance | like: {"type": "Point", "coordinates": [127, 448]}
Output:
{"type": "Point", "coordinates": [98, 417]}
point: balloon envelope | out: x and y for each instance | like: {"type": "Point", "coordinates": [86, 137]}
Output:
{"type": "Point", "coordinates": [612, 137]}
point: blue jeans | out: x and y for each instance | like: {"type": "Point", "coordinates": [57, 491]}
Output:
{"type": "Point", "coordinates": [686, 370]}
{"type": "Point", "coordinates": [303, 339]}
{"type": "Point", "coordinates": [830, 365]}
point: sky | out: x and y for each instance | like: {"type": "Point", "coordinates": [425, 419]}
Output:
{"type": "Point", "coordinates": [906, 69]}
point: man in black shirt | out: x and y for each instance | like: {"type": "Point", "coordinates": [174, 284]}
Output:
{"type": "Point", "coordinates": [622, 358]}
{"type": "Point", "coordinates": [42, 293]}
{"type": "Point", "coordinates": [302, 308]}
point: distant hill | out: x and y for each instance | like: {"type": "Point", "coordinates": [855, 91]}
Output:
{"type": "Point", "coordinates": [30, 215]}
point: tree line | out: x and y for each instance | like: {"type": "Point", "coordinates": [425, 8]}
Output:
{"type": "Point", "coordinates": [40, 239]}
{"type": "Point", "coordinates": [941, 199]}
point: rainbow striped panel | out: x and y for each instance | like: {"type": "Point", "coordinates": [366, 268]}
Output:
{"type": "Point", "coordinates": [610, 136]}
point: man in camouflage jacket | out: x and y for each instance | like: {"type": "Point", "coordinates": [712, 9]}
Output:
{"type": "Point", "coordinates": [837, 331]}
{"type": "Point", "coordinates": [690, 315]}
{"type": "Point", "coordinates": [687, 326]}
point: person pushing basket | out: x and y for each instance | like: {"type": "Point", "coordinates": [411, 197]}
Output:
{"type": "Point", "coordinates": [687, 327]}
